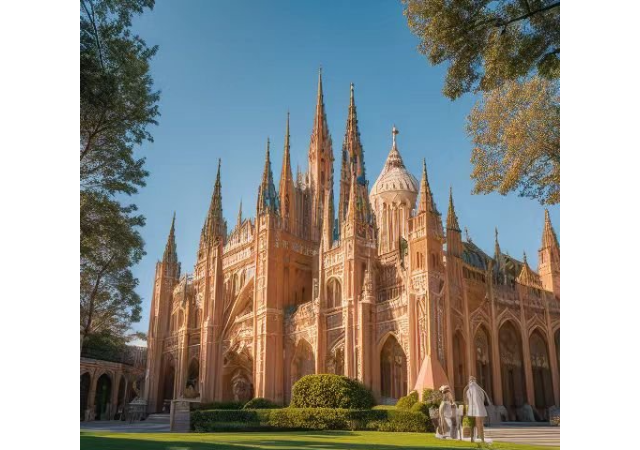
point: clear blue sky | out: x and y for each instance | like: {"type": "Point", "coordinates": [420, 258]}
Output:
{"type": "Point", "coordinates": [228, 72]}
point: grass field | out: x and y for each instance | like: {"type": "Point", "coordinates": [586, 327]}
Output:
{"type": "Point", "coordinates": [339, 440]}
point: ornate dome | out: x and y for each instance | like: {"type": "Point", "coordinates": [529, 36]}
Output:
{"type": "Point", "coordinates": [394, 176]}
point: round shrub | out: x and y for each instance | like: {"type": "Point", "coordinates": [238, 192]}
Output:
{"type": "Point", "coordinates": [407, 401]}
{"type": "Point", "coordinates": [260, 403]}
{"type": "Point", "coordinates": [432, 397]}
{"type": "Point", "coordinates": [330, 391]}
{"type": "Point", "coordinates": [420, 407]}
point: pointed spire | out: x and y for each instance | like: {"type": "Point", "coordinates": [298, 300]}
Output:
{"type": "Point", "coordinates": [466, 235]}
{"type": "Point", "coordinates": [170, 251]}
{"type": "Point", "coordinates": [214, 224]}
{"type": "Point", "coordinates": [239, 215]}
{"type": "Point", "coordinates": [497, 251]}
{"type": "Point", "coordinates": [549, 238]}
{"type": "Point", "coordinates": [351, 143]}
{"type": "Point", "coordinates": [267, 197]}
{"type": "Point", "coordinates": [426, 202]}
{"type": "Point", "coordinates": [452, 218]}
{"type": "Point", "coordinates": [527, 276]}
{"type": "Point", "coordinates": [286, 177]}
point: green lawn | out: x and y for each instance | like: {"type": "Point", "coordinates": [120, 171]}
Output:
{"type": "Point", "coordinates": [340, 440]}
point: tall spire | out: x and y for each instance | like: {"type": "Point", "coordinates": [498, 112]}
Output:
{"type": "Point", "coordinates": [549, 239]}
{"type": "Point", "coordinates": [352, 156]}
{"type": "Point", "coordinates": [239, 215]}
{"type": "Point", "coordinates": [214, 224]}
{"type": "Point", "coordinates": [267, 196]}
{"type": "Point", "coordinates": [286, 177]}
{"type": "Point", "coordinates": [352, 137]}
{"type": "Point", "coordinates": [527, 276]}
{"type": "Point", "coordinates": [170, 251]}
{"type": "Point", "coordinates": [426, 202]}
{"type": "Point", "coordinates": [452, 218]}
{"type": "Point", "coordinates": [497, 251]}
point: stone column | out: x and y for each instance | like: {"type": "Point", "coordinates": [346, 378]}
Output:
{"type": "Point", "coordinates": [91, 399]}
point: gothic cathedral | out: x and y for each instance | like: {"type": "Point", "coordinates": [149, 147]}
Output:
{"type": "Point", "coordinates": [377, 289]}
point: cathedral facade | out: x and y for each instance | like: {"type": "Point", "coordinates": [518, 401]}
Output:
{"type": "Point", "coordinates": [376, 288]}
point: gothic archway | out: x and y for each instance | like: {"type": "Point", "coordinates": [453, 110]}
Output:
{"type": "Point", "coordinates": [461, 373]}
{"type": "Point", "coordinates": [103, 397]}
{"type": "Point", "coordinates": [237, 374]}
{"type": "Point", "coordinates": [334, 293]}
{"type": "Point", "coordinates": [335, 360]}
{"type": "Point", "coordinates": [168, 381]}
{"type": "Point", "coordinates": [512, 369]}
{"type": "Point", "coordinates": [483, 360]}
{"type": "Point", "coordinates": [85, 385]}
{"type": "Point", "coordinates": [122, 397]}
{"type": "Point", "coordinates": [541, 371]}
{"type": "Point", "coordinates": [393, 370]}
{"type": "Point", "coordinates": [303, 361]}
{"type": "Point", "coordinates": [192, 386]}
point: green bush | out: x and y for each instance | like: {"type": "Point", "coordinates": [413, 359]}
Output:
{"type": "Point", "coordinates": [260, 403]}
{"type": "Point", "coordinates": [420, 407]}
{"type": "Point", "coordinates": [468, 422]}
{"type": "Point", "coordinates": [309, 419]}
{"type": "Point", "coordinates": [407, 401]}
{"type": "Point", "coordinates": [217, 405]}
{"type": "Point", "coordinates": [330, 391]}
{"type": "Point", "coordinates": [432, 397]}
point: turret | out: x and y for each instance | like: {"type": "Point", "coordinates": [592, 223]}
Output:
{"type": "Point", "coordinates": [549, 258]}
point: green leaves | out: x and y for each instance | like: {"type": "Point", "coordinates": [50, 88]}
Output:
{"type": "Point", "coordinates": [117, 104]}
{"type": "Point", "coordinates": [485, 42]}
{"type": "Point", "coordinates": [330, 391]}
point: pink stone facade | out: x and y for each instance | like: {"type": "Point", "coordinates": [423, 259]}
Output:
{"type": "Point", "coordinates": [377, 288]}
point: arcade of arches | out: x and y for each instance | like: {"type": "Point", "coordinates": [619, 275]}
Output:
{"type": "Point", "coordinates": [107, 387]}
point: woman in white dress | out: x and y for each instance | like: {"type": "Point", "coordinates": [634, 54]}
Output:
{"type": "Point", "coordinates": [447, 423]}
{"type": "Point", "coordinates": [475, 397]}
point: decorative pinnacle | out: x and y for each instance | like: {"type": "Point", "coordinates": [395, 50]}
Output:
{"type": "Point", "coordinates": [452, 219]}
{"type": "Point", "coordinates": [524, 258]}
{"type": "Point", "coordinates": [394, 132]}
{"type": "Point", "coordinates": [466, 234]}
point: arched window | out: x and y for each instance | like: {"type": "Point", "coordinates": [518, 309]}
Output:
{"type": "Point", "coordinates": [393, 370]}
{"type": "Point", "coordinates": [512, 369]}
{"type": "Point", "coordinates": [483, 360]}
{"type": "Point", "coordinates": [334, 293]}
{"type": "Point", "coordinates": [542, 387]}
{"type": "Point", "coordinates": [103, 398]}
{"type": "Point", "coordinates": [459, 366]}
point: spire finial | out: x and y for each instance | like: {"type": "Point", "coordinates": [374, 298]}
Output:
{"type": "Point", "coordinates": [452, 218]}
{"type": "Point", "coordinates": [240, 214]}
{"type": "Point", "coordinates": [466, 235]}
{"type": "Point", "coordinates": [394, 132]}
{"type": "Point", "coordinates": [524, 257]}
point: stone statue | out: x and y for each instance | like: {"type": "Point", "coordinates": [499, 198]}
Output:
{"type": "Point", "coordinates": [474, 397]}
{"type": "Point", "coordinates": [447, 420]}
{"type": "Point", "coordinates": [241, 389]}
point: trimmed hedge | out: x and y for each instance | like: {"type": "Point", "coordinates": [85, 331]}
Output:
{"type": "Point", "coordinates": [217, 405]}
{"type": "Point", "coordinates": [330, 391]}
{"type": "Point", "coordinates": [309, 419]}
{"type": "Point", "coordinates": [260, 403]}
{"type": "Point", "coordinates": [407, 401]}
{"type": "Point", "coordinates": [420, 407]}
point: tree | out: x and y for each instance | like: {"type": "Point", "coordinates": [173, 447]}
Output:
{"type": "Point", "coordinates": [117, 101]}
{"type": "Point", "coordinates": [516, 132]}
{"type": "Point", "coordinates": [117, 105]}
{"type": "Point", "coordinates": [503, 49]}
{"type": "Point", "coordinates": [487, 42]}
{"type": "Point", "coordinates": [109, 245]}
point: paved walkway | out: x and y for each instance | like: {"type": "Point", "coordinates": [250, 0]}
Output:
{"type": "Point", "coordinates": [156, 423]}
{"type": "Point", "coordinates": [524, 433]}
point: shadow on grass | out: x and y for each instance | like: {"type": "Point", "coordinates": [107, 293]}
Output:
{"type": "Point", "coordinates": [324, 440]}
